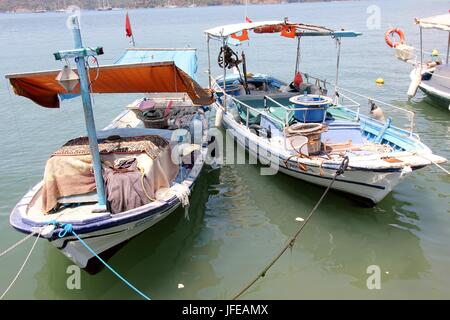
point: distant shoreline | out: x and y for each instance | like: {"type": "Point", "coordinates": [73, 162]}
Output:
{"type": "Point", "coordinates": [52, 9]}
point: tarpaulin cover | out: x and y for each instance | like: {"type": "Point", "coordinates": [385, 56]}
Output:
{"type": "Point", "coordinates": [185, 59]}
{"type": "Point", "coordinates": [43, 89]}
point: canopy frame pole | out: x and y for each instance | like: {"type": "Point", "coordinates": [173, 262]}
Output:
{"type": "Point", "coordinates": [89, 117]}
{"type": "Point", "coordinates": [338, 58]}
{"type": "Point", "coordinates": [224, 41]}
{"type": "Point", "coordinates": [297, 61]}
{"type": "Point", "coordinates": [209, 60]}
{"type": "Point", "coordinates": [448, 47]}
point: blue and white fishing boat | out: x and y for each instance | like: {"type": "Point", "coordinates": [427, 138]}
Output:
{"type": "Point", "coordinates": [119, 181]}
{"type": "Point", "coordinates": [303, 129]}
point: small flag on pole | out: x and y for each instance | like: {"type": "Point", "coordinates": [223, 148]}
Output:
{"type": "Point", "coordinates": [128, 31]}
{"type": "Point", "coordinates": [247, 19]}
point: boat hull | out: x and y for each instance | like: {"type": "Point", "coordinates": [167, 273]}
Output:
{"type": "Point", "coordinates": [368, 186]}
{"type": "Point", "coordinates": [105, 239]}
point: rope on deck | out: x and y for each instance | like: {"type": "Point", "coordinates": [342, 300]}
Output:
{"type": "Point", "coordinates": [290, 243]}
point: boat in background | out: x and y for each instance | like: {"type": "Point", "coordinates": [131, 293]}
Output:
{"type": "Point", "coordinates": [302, 129]}
{"type": "Point", "coordinates": [431, 75]}
{"type": "Point", "coordinates": [104, 6]}
{"type": "Point", "coordinates": [148, 157]}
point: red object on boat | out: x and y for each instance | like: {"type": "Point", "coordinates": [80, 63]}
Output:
{"type": "Point", "coordinates": [268, 29]}
{"type": "Point", "coordinates": [288, 31]}
{"type": "Point", "coordinates": [242, 37]}
{"type": "Point", "coordinates": [298, 79]}
{"type": "Point", "coordinates": [128, 31]}
{"type": "Point", "coordinates": [247, 19]}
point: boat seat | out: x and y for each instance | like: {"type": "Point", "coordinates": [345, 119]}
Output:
{"type": "Point", "coordinates": [343, 131]}
{"type": "Point", "coordinates": [90, 197]}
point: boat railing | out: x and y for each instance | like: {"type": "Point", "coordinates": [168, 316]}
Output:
{"type": "Point", "coordinates": [409, 114]}
{"type": "Point", "coordinates": [247, 107]}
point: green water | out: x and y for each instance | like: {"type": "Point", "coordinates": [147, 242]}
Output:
{"type": "Point", "coordinates": [238, 218]}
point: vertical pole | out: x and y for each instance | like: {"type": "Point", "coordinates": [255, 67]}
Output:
{"type": "Point", "coordinates": [421, 52]}
{"type": "Point", "coordinates": [209, 61]}
{"type": "Point", "coordinates": [297, 61]}
{"type": "Point", "coordinates": [338, 41]}
{"type": "Point", "coordinates": [132, 40]}
{"type": "Point", "coordinates": [224, 41]}
{"type": "Point", "coordinates": [89, 118]}
{"type": "Point", "coordinates": [448, 46]}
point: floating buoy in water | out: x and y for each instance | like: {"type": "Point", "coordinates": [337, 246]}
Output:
{"type": "Point", "coordinates": [435, 53]}
{"type": "Point", "coordinates": [299, 219]}
{"type": "Point", "coordinates": [379, 81]}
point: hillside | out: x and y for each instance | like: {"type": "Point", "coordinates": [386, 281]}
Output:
{"type": "Point", "coordinates": [51, 5]}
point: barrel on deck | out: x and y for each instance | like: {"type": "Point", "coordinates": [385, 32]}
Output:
{"type": "Point", "coordinates": [310, 107]}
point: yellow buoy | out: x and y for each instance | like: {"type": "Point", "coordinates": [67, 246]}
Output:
{"type": "Point", "coordinates": [379, 81]}
{"type": "Point", "coordinates": [435, 53]}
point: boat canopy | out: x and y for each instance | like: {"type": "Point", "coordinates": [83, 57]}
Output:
{"type": "Point", "coordinates": [301, 29]}
{"type": "Point", "coordinates": [440, 22]}
{"type": "Point", "coordinates": [184, 58]}
{"type": "Point", "coordinates": [44, 89]}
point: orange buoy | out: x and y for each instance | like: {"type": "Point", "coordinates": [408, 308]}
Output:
{"type": "Point", "coordinates": [390, 33]}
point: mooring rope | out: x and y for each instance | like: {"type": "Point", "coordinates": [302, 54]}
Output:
{"type": "Point", "coordinates": [67, 228]}
{"type": "Point", "coordinates": [290, 243]}
{"type": "Point", "coordinates": [23, 264]}
{"type": "Point", "coordinates": [433, 162]}
{"type": "Point", "coordinates": [15, 245]}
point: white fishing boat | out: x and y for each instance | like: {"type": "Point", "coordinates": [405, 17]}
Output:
{"type": "Point", "coordinates": [305, 131]}
{"type": "Point", "coordinates": [104, 6]}
{"type": "Point", "coordinates": [430, 73]}
{"type": "Point", "coordinates": [119, 181]}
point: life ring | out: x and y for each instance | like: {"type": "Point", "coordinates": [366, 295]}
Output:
{"type": "Point", "coordinates": [268, 29]}
{"type": "Point", "coordinates": [391, 32]}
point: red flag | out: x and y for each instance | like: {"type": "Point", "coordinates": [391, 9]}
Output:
{"type": "Point", "coordinates": [128, 31]}
{"type": "Point", "coordinates": [247, 19]}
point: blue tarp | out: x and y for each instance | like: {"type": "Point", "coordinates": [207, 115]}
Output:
{"type": "Point", "coordinates": [185, 59]}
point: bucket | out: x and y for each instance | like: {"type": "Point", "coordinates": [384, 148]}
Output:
{"type": "Point", "coordinates": [154, 119]}
{"type": "Point", "coordinates": [310, 107]}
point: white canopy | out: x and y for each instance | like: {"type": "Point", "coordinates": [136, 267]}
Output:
{"type": "Point", "coordinates": [441, 22]}
{"type": "Point", "coordinates": [229, 29]}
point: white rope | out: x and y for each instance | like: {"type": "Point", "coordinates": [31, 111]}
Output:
{"type": "Point", "coordinates": [17, 244]}
{"type": "Point", "coordinates": [436, 164]}
{"type": "Point", "coordinates": [21, 268]}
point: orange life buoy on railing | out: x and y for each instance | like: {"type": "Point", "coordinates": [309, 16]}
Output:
{"type": "Point", "coordinates": [392, 31]}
